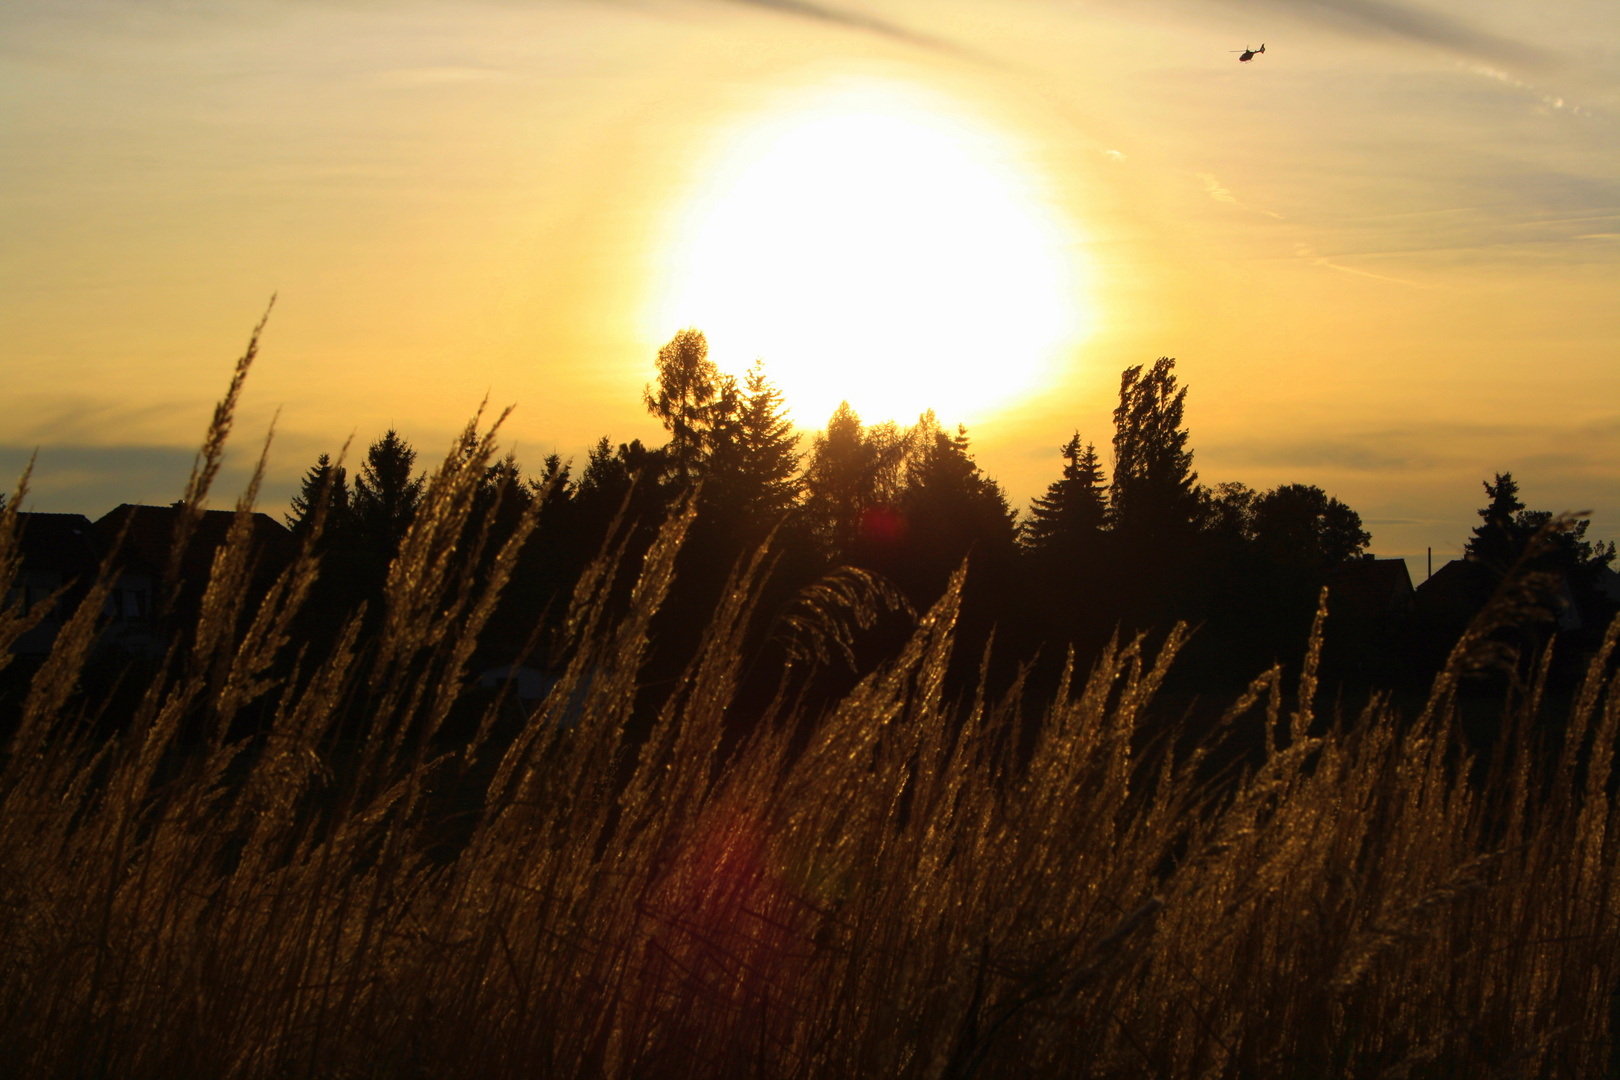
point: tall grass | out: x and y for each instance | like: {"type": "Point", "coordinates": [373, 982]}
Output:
{"type": "Point", "coordinates": [901, 886]}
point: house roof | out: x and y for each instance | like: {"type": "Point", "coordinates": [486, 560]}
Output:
{"type": "Point", "coordinates": [1460, 584]}
{"type": "Point", "coordinates": [150, 533]}
{"type": "Point", "coordinates": [1372, 585]}
{"type": "Point", "coordinates": [1608, 583]}
{"type": "Point", "coordinates": [67, 543]}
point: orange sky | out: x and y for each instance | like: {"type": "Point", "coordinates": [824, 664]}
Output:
{"type": "Point", "coordinates": [1384, 254]}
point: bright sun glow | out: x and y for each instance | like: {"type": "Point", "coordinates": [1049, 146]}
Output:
{"type": "Point", "coordinates": [874, 248]}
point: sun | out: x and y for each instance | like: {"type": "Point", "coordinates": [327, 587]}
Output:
{"type": "Point", "coordinates": [875, 246]}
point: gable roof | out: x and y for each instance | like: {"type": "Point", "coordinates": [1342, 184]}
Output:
{"type": "Point", "coordinates": [66, 543]}
{"type": "Point", "coordinates": [1372, 586]}
{"type": "Point", "coordinates": [149, 534]}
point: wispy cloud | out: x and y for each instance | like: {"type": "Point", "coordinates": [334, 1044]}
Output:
{"type": "Point", "coordinates": [1306, 251]}
{"type": "Point", "coordinates": [1221, 193]}
{"type": "Point", "coordinates": [855, 20]}
{"type": "Point", "coordinates": [91, 480]}
{"type": "Point", "coordinates": [1552, 101]}
{"type": "Point", "coordinates": [1216, 191]}
{"type": "Point", "coordinates": [1349, 455]}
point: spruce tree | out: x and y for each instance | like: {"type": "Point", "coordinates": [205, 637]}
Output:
{"type": "Point", "coordinates": [767, 455]}
{"type": "Point", "coordinates": [950, 503]}
{"type": "Point", "coordinates": [1500, 538]}
{"type": "Point", "coordinates": [386, 494]}
{"type": "Point", "coordinates": [321, 478]}
{"type": "Point", "coordinates": [1068, 517]}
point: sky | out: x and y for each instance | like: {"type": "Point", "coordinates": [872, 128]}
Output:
{"type": "Point", "coordinates": [1385, 253]}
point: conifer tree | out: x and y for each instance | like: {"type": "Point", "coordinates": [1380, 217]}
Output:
{"type": "Point", "coordinates": [1507, 529]}
{"type": "Point", "coordinates": [950, 500]}
{"type": "Point", "coordinates": [767, 456]}
{"type": "Point", "coordinates": [321, 477]}
{"type": "Point", "coordinates": [386, 494]}
{"type": "Point", "coordinates": [1502, 535]}
{"type": "Point", "coordinates": [1074, 508]}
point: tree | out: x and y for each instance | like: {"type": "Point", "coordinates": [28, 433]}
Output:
{"type": "Point", "coordinates": [386, 494]}
{"type": "Point", "coordinates": [1226, 512]}
{"type": "Point", "coordinates": [1063, 522]}
{"type": "Point", "coordinates": [839, 479]}
{"type": "Point", "coordinates": [609, 473]}
{"type": "Point", "coordinates": [766, 450]}
{"type": "Point", "coordinates": [554, 482]}
{"type": "Point", "coordinates": [1301, 526]}
{"type": "Point", "coordinates": [694, 402]}
{"type": "Point", "coordinates": [1501, 537]}
{"type": "Point", "coordinates": [323, 480]}
{"type": "Point", "coordinates": [950, 505]}
{"type": "Point", "coordinates": [1508, 529]}
{"type": "Point", "coordinates": [1153, 500]}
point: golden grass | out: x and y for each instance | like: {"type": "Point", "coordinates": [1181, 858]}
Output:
{"type": "Point", "coordinates": [891, 889]}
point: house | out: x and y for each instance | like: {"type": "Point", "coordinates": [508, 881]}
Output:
{"type": "Point", "coordinates": [1460, 588]}
{"type": "Point", "coordinates": [148, 534]}
{"type": "Point", "coordinates": [1370, 588]}
{"type": "Point", "coordinates": [60, 556]}
{"type": "Point", "coordinates": [1608, 584]}
{"type": "Point", "coordinates": [1455, 591]}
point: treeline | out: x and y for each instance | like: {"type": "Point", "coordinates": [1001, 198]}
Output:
{"type": "Point", "coordinates": [874, 518]}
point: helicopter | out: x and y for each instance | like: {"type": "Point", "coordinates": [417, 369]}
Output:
{"type": "Point", "coordinates": [1250, 54]}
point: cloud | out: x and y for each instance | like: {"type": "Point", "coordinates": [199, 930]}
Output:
{"type": "Point", "coordinates": [1349, 455]}
{"type": "Point", "coordinates": [1405, 521]}
{"type": "Point", "coordinates": [806, 9]}
{"type": "Point", "coordinates": [1551, 101]}
{"type": "Point", "coordinates": [1216, 191]}
{"type": "Point", "coordinates": [1221, 193]}
{"type": "Point", "coordinates": [1306, 251]}
{"type": "Point", "coordinates": [91, 480]}
{"type": "Point", "coordinates": [1113, 155]}
{"type": "Point", "coordinates": [1562, 465]}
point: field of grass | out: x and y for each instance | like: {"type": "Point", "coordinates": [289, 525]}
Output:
{"type": "Point", "coordinates": [900, 886]}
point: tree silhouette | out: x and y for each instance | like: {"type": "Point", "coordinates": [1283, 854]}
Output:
{"type": "Point", "coordinates": [386, 494]}
{"type": "Point", "coordinates": [695, 403]}
{"type": "Point", "coordinates": [950, 507]}
{"type": "Point", "coordinates": [1501, 537]}
{"type": "Point", "coordinates": [1507, 530]}
{"type": "Point", "coordinates": [1065, 521]}
{"type": "Point", "coordinates": [1300, 525]}
{"type": "Point", "coordinates": [1153, 498]}
{"type": "Point", "coordinates": [322, 477]}
{"type": "Point", "coordinates": [839, 480]}
{"type": "Point", "coordinates": [766, 450]}
{"type": "Point", "coordinates": [857, 476]}
{"type": "Point", "coordinates": [1226, 512]}
{"type": "Point", "coordinates": [609, 478]}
